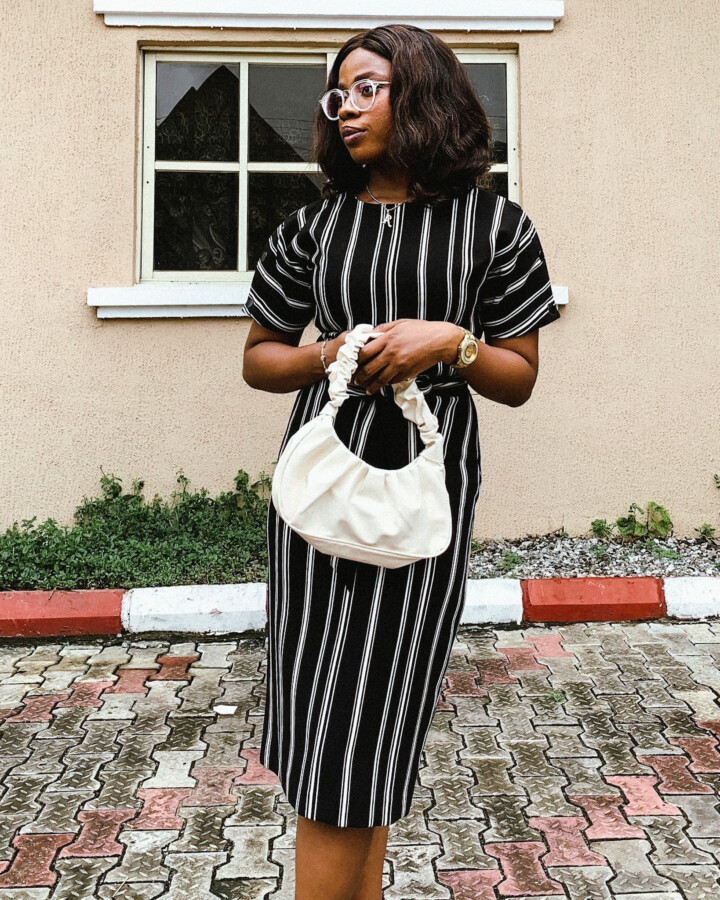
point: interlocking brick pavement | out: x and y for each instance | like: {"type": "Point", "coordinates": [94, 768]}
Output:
{"type": "Point", "coordinates": [579, 761]}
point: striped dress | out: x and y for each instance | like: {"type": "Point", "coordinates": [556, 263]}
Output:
{"type": "Point", "coordinates": [356, 652]}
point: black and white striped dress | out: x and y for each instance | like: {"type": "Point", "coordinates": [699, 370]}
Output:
{"type": "Point", "coordinates": [357, 653]}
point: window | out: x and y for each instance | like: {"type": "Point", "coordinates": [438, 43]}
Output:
{"type": "Point", "coordinates": [226, 152]}
{"type": "Point", "coordinates": [225, 158]}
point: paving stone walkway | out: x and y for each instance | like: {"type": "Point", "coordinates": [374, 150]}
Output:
{"type": "Point", "coordinates": [577, 761]}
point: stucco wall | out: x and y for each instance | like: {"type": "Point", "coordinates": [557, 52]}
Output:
{"type": "Point", "coordinates": [618, 132]}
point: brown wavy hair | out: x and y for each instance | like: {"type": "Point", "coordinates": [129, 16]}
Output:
{"type": "Point", "coordinates": [440, 134]}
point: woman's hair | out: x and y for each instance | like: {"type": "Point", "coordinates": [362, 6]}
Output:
{"type": "Point", "coordinates": [440, 133]}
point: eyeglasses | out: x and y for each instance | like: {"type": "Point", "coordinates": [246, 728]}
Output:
{"type": "Point", "coordinates": [362, 97]}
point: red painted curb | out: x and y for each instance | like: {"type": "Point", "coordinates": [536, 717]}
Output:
{"type": "Point", "coordinates": [58, 613]}
{"type": "Point", "coordinates": [619, 598]}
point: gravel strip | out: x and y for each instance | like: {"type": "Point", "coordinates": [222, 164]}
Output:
{"type": "Point", "coordinates": [554, 555]}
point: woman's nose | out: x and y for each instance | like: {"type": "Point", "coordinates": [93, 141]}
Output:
{"type": "Point", "coordinates": [348, 107]}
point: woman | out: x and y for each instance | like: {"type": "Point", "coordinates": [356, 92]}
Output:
{"type": "Point", "coordinates": [406, 239]}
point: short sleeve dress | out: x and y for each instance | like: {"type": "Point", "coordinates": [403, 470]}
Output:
{"type": "Point", "coordinates": [356, 652]}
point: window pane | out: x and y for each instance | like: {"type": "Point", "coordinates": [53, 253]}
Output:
{"type": "Point", "coordinates": [196, 112]}
{"type": "Point", "coordinates": [282, 108]}
{"type": "Point", "coordinates": [272, 197]}
{"type": "Point", "coordinates": [490, 80]}
{"type": "Point", "coordinates": [499, 183]}
{"type": "Point", "coordinates": [196, 221]}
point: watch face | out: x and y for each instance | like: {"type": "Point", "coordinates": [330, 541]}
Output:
{"type": "Point", "coordinates": [470, 352]}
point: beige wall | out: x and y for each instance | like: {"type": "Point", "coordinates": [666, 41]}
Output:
{"type": "Point", "coordinates": [618, 169]}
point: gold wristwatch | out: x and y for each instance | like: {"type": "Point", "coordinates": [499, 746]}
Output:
{"type": "Point", "coordinates": [467, 350]}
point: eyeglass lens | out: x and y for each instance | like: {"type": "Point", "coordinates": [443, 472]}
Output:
{"type": "Point", "coordinates": [362, 95]}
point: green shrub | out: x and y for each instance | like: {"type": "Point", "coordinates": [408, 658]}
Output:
{"type": "Point", "coordinates": [120, 541]}
{"type": "Point", "coordinates": [639, 524]}
{"type": "Point", "coordinates": [508, 561]}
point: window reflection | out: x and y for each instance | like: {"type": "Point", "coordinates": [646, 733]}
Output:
{"type": "Point", "coordinates": [272, 197]}
{"type": "Point", "coordinates": [282, 108]}
{"type": "Point", "coordinates": [197, 115]}
{"type": "Point", "coordinates": [196, 221]}
{"type": "Point", "coordinates": [490, 81]}
{"type": "Point", "coordinates": [498, 183]}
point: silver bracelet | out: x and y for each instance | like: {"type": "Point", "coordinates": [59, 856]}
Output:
{"type": "Point", "coordinates": [322, 356]}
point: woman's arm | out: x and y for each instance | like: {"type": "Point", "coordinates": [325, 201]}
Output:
{"type": "Point", "coordinates": [504, 370]}
{"type": "Point", "coordinates": [273, 361]}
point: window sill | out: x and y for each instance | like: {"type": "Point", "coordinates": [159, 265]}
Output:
{"type": "Point", "coordinates": [169, 300]}
{"type": "Point", "coordinates": [478, 15]}
{"type": "Point", "coordinates": [560, 294]}
{"type": "Point", "coordinates": [177, 301]}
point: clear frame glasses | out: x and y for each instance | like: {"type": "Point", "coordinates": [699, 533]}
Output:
{"type": "Point", "coordinates": [362, 96]}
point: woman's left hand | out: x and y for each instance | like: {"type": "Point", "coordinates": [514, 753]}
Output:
{"type": "Point", "coordinates": [405, 348]}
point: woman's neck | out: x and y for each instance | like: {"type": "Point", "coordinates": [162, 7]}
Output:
{"type": "Point", "coordinates": [388, 184]}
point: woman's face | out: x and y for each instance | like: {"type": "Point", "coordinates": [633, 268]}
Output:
{"type": "Point", "coordinates": [375, 124]}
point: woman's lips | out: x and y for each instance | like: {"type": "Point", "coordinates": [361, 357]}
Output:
{"type": "Point", "coordinates": [352, 137]}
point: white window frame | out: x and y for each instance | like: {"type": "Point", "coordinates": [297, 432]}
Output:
{"type": "Point", "coordinates": [222, 293]}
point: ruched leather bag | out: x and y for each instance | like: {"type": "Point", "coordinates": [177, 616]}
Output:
{"type": "Point", "coordinates": [345, 507]}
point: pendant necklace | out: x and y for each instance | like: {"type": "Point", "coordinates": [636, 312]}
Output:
{"type": "Point", "coordinates": [387, 220]}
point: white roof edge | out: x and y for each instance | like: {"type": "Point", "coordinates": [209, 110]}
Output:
{"type": "Point", "coordinates": [465, 15]}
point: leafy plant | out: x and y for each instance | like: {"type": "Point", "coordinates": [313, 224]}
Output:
{"type": "Point", "coordinates": [600, 528]}
{"type": "Point", "coordinates": [656, 522]}
{"type": "Point", "coordinates": [706, 532]}
{"type": "Point", "coordinates": [659, 550]}
{"type": "Point", "coordinates": [119, 540]}
{"type": "Point", "coordinates": [509, 559]}
{"type": "Point", "coordinates": [556, 696]}
{"type": "Point", "coordinates": [639, 524]}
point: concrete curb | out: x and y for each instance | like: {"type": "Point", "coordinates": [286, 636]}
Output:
{"type": "Point", "coordinates": [196, 608]}
{"type": "Point", "coordinates": [593, 599]}
{"type": "Point", "coordinates": [233, 608]}
{"type": "Point", "coordinates": [492, 601]}
{"type": "Point", "coordinates": [60, 613]}
{"type": "Point", "coordinates": [692, 597]}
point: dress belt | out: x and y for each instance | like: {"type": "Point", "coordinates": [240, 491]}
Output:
{"type": "Point", "coordinates": [425, 384]}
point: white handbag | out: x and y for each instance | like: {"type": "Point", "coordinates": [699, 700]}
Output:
{"type": "Point", "coordinates": [348, 508]}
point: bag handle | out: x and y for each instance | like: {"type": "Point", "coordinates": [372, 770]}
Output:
{"type": "Point", "coordinates": [406, 394]}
